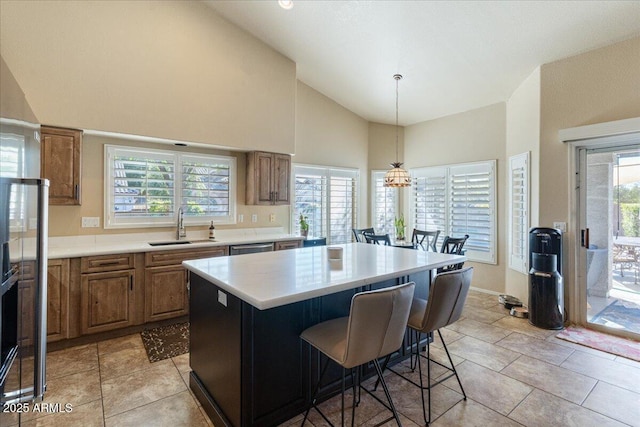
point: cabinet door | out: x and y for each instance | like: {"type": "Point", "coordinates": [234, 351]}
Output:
{"type": "Point", "coordinates": [106, 301]}
{"type": "Point", "coordinates": [165, 293]}
{"type": "Point", "coordinates": [264, 176]}
{"type": "Point", "coordinates": [60, 163]}
{"type": "Point", "coordinates": [281, 178]}
{"type": "Point", "coordinates": [57, 299]}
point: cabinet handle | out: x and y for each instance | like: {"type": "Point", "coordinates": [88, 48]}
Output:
{"type": "Point", "coordinates": [106, 263]}
{"type": "Point", "coordinates": [131, 282]}
{"type": "Point", "coordinates": [77, 191]}
{"type": "Point", "coordinates": [275, 199]}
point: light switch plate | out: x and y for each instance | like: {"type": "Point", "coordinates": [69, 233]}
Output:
{"type": "Point", "coordinates": [240, 218]}
{"type": "Point", "coordinates": [254, 218]}
{"type": "Point", "coordinates": [562, 226]}
{"type": "Point", "coordinates": [272, 217]}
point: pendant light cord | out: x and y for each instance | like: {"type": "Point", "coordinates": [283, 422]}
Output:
{"type": "Point", "coordinates": [397, 77]}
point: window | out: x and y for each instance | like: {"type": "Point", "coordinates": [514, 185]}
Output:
{"type": "Point", "coordinates": [384, 206]}
{"type": "Point", "coordinates": [328, 198]}
{"type": "Point", "coordinates": [145, 187]}
{"type": "Point", "coordinates": [518, 211]}
{"type": "Point", "coordinates": [458, 200]}
{"type": "Point", "coordinates": [12, 166]}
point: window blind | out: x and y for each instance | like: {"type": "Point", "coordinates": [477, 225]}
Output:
{"type": "Point", "coordinates": [328, 198]}
{"type": "Point", "coordinates": [205, 186]}
{"type": "Point", "coordinates": [384, 207]}
{"type": "Point", "coordinates": [429, 193]}
{"type": "Point", "coordinates": [458, 200]}
{"type": "Point", "coordinates": [146, 187]}
{"type": "Point", "coordinates": [518, 211]}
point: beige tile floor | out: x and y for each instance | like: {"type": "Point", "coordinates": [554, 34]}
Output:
{"type": "Point", "coordinates": [514, 374]}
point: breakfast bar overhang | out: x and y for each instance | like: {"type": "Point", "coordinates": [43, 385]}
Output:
{"type": "Point", "coordinates": [249, 366]}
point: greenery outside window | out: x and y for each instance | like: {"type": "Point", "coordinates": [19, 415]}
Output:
{"type": "Point", "coordinates": [145, 188]}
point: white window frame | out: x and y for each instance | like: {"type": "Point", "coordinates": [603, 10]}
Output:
{"type": "Point", "coordinates": [112, 222]}
{"type": "Point", "coordinates": [376, 177]}
{"type": "Point", "coordinates": [518, 229]}
{"type": "Point", "coordinates": [326, 172]}
{"type": "Point", "coordinates": [489, 167]}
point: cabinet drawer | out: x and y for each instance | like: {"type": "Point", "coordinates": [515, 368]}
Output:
{"type": "Point", "coordinates": [153, 259]}
{"type": "Point", "coordinates": [102, 263]}
{"type": "Point", "coordinates": [292, 244]}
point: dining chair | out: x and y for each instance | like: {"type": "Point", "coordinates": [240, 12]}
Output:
{"type": "Point", "coordinates": [447, 296]}
{"type": "Point", "coordinates": [358, 233]}
{"type": "Point", "coordinates": [454, 246]}
{"type": "Point", "coordinates": [419, 236]}
{"type": "Point", "coordinates": [377, 238]}
{"type": "Point", "coordinates": [374, 328]}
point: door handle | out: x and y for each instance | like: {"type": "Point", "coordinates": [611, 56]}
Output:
{"type": "Point", "coordinates": [584, 238]}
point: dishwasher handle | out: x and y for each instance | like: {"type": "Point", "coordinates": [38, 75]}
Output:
{"type": "Point", "coordinates": [264, 246]}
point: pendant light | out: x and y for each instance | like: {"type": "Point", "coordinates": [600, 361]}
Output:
{"type": "Point", "coordinates": [397, 177]}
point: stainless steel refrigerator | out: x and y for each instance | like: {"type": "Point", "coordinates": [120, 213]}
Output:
{"type": "Point", "coordinates": [23, 254]}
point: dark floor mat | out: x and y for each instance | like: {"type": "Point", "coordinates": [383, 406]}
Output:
{"type": "Point", "coordinates": [166, 341]}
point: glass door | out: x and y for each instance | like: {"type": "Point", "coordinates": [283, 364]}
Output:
{"type": "Point", "coordinates": [610, 191]}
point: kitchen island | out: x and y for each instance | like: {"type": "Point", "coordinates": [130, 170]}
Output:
{"type": "Point", "coordinates": [249, 366]}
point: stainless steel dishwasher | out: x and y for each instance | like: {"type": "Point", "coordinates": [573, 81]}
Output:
{"type": "Point", "coordinates": [250, 249]}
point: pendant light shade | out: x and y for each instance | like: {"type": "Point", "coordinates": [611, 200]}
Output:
{"type": "Point", "coordinates": [397, 177]}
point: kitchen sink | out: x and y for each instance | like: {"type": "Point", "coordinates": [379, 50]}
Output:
{"type": "Point", "coordinates": [173, 242]}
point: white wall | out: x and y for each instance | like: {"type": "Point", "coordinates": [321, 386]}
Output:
{"type": "Point", "coordinates": [168, 69]}
{"type": "Point", "coordinates": [598, 86]}
{"type": "Point", "coordinates": [327, 134]}
{"type": "Point", "coordinates": [467, 137]}
{"type": "Point", "coordinates": [523, 135]}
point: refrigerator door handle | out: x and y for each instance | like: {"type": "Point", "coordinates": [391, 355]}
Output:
{"type": "Point", "coordinates": [40, 344]}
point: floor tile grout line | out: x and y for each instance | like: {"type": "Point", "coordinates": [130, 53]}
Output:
{"type": "Point", "coordinates": [146, 404]}
{"type": "Point", "coordinates": [104, 419]}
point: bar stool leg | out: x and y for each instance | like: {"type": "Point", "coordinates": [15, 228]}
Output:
{"type": "Point", "coordinates": [424, 411]}
{"type": "Point", "coordinates": [315, 392]}
{"type": "Point", "coordinates": [386, 391]}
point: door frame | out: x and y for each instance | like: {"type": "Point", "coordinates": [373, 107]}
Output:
{"type": "Point", "coordinates": [602, 135]}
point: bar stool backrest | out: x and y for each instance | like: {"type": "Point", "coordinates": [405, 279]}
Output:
{"type": "Point", "coordinates": [447, 296]}
{"type": "Point", "coordinates": [377, 238]}
{"type": "Point", "coordinates": [358, 233]}
{"type": "Point", "coordinates": [377, 323]}
{"type": "Point", "coordinates": [419, 236]}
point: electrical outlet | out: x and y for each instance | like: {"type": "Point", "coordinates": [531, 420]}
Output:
{"type": "Point", "coordinates": [254, 218]}
{"type": "Point", "coordinates": [90, 222]}
{"type": "Point", "coordinates": [272, 217]}
{"type": "Point", "coordinates": [240, 218]}
{"type": "Point", "coordinates": [562, 226]}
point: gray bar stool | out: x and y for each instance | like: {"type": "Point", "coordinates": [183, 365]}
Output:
{"type": "Point", "coordinates": [374, 328]}
{"type": "Point", "coordinates": [447, 296]}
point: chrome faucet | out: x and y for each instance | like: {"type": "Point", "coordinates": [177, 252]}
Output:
{"type": "Point", "coordinates": [181, 232]}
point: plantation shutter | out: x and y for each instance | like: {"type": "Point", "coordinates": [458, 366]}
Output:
{"type": "Point", "coordinates": [385, 204]}
{"type": "Point", "coordinates": [429, 209]}
{"type": "Point", "coordinates": [205, 186]}
{"type": "Point", "coordinates": [310, 200]}
{"type": "Point", "coordinates": [140, 185]}
{"type": "Point", "coordinates": [471, 207]}
{"type": "Point", "coordinates": [342, 205]}
{"type": "Point", "coordinates": [518, 211]}
{"type": "Point", "coordinates": [328, 197]}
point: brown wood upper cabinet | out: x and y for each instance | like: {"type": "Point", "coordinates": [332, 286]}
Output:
{"type": "Point", "coordinates": [60, 161]}
{"type": "Point", "coordinates": [268, 178]}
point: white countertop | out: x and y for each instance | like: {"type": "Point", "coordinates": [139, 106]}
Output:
{"type": "Point", "coordinates": [103, 244]}
{"type": "Point", "coordinates": [272, 279]}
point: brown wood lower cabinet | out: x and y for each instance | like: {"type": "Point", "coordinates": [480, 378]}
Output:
{"type": "Point", "coordinates": [165, 293]}
{"type": "Point", "coordinates": [107, 301]}
{"type": "Point", "coordinates": [57, 299]}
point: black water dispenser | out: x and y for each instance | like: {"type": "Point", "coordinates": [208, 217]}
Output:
{"type": "Point", "coordinates": [546, 292]}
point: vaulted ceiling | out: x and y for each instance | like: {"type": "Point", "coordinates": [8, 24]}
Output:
{"type": "Point", "coordinates": [454, 55]}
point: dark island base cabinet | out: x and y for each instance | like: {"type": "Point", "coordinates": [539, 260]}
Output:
{"type": "Point", "coordinates": [249, 366]}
